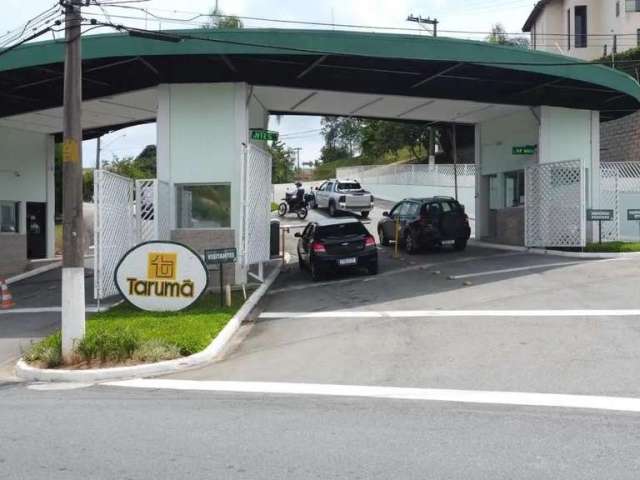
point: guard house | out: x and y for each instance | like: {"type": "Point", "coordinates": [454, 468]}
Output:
{"type": "Point", "coordinates": [536, 115]}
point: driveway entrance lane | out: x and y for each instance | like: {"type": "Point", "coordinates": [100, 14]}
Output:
{"type": "Point", "coordinates": [591, 356]}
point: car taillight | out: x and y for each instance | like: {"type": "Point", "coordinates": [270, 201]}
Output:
{"type": "Point", "coordinates": [370, 242]}
{"type": "Point", "coordinates": [318, 247]}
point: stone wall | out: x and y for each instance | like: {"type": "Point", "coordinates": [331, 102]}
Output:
{"type": "Point", "coordinates": [200, 240]}
{"type": "Point", "coordinates": [620, 139]}
{"type": "Point", "coordinates": [13, 254]}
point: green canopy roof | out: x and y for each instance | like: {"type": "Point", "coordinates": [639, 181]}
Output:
{"type": "Point", "coordinates": [31, 76]}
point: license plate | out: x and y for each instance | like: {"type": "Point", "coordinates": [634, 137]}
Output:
{"type": "Point", "coordinates": [448, 242]}
{"type": "Point", "coordinates": [347, 261]}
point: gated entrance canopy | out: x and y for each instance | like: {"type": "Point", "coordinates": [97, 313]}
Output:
{"type": "Point", "coordinates": [377, 64]}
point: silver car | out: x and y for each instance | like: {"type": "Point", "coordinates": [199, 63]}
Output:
{"type": "Point", "coordinates": [343, 195]}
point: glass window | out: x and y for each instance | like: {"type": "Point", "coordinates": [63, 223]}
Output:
{"type": "Point", "coordinates": [329, 187]}
{"type": "Point", "coordinates": [204, 206]}
{"type": "Point", "coordinates": [581, 26]}
{"type": "Point", "coordinates": [323, 186]}
{"type": "Point", "coordinates": [349, 186]}
{"type": "Point", "coordinates": [8, 217]}
{"type": "Point", "coordinates": [514, 188]}
{"type": "Point", "coordinates": [339, 230]}
{"type": "Point", "coordinates": [569, 29]}
{"type": "Point", "coordinates": [412, 209]}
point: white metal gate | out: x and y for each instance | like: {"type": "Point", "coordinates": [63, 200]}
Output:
{"type": "Point", "coordinates": [114, 228]}
{"type": "Point", "coordinates": [554, 205]}
{"type": "Point", "coordinates": [152, 210]}
{"type": "Point", "coordinates": [619, 191]}
{"type": "Point", "coordinates": [256, 207]}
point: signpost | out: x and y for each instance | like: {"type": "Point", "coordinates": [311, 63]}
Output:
{"type": "Point", "coordinates": [262, 135]}
{"type": "Point", "coordinates": [633, 215]}
{"type": "Point", "coordinates": [524, 150]}
{"type": "Point", "coordinates": [599, 215]}
{"type": "Point", "coordinates": [220, 256]}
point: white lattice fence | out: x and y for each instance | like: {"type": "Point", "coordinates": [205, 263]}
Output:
{"type": "Point", "coordinates": [554, 207]}
{"type": "Point", "coordinates": [145, 210]}
{"type": "Point", "coordinates": [257, 206]}
{"type": "Point", "coordinates": [114, 228]}
{"type": "Point", "coordinates": [619, 190]}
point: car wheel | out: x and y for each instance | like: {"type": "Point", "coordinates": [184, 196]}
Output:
{"type": "Point", "coordinates": [316, 274]}
{"type": "Point", "coordinates": [332, 209]}
{"type": "Point", "coordinates": [410, 245]}
{"type": "Point", "coordinates": [364, 214]}
{"type": "Point", "coordinates": [384, 241]}
{"type": "Point", "coordinates": [460, 244]}
{"type": "Point", "coordinates": [282, 209]}
{"type": "Point", "coordinates": [302, 213]}
{"type": "Point", "coordinates": [373, 269]}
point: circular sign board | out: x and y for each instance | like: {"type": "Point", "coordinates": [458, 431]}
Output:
{"type": "Point", "coordinates": [161, 276]}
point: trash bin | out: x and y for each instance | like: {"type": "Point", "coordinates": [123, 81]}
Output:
{"type": "Point", "coordinates": [275, 237]}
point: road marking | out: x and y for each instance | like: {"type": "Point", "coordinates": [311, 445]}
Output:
{"type": "Point", "coordinates": [623, 404]}
{"type": "Point", "coordinates": [451, 313]}
{"type": "Point", "coordinates": [411, 268]}
{"type": "Point", "coordinates": [515, 269]}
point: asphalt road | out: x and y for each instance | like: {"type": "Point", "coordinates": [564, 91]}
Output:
{"type": "Point", "coordinates": [107, 433]}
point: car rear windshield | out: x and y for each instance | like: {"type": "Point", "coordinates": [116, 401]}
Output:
{"type": "Point", "coordinates": [451, 206]}
{"type": "Point", "coordinates": [345, 186]}
{"type": "Point", "coordinates": [341, 230]}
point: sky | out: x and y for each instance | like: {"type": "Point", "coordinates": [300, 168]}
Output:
{"type": "Point", "coordinates": [455, 16]}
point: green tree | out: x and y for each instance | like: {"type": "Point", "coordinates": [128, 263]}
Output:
{"type": "Point", "coordinates": [217, 19]}
{"type": "Point", "coordinates": [283, 162]}
{"type": "Point", "coordinates": [499, 36]}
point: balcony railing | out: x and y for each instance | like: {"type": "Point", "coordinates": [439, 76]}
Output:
{"type": "Point", "coordinates": [632, 5]}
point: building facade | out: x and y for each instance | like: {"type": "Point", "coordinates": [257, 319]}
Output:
{"type": "Point", "coordinates": [588, 30]}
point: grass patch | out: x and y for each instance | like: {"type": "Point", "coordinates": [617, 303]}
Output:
{"type": "Point", "coordinates": [274, 207]}
{"type": "Point", "coordinates": [58, 238]}
{"type": "Point", "coordinates": [613, 247]}
{"type": "Point", "coordinates": [125, 334]}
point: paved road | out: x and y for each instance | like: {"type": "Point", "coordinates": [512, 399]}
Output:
{"type": "Point", "coordinates": [107, 433]}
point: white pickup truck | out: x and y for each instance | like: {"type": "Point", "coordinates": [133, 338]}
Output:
{"type": "Point", "coordinates": [343, 195]}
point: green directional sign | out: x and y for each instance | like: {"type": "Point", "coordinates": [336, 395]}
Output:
{"type": "Point", "coordinates": [263, 135]}
{"type": "Point", "coordinates": [524, 149]}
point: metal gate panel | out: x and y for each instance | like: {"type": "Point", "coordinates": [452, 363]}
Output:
{"type": "Point", "coordinates": [617, 180]}
{"type": "Point", "coordinates": [114, 228]}
{"type": "Point", "coordinates": [145, 210]}
{"type": "Point", "coordinates": [256, 210]}
{"type": "Point", "coordinates": [554, 205]}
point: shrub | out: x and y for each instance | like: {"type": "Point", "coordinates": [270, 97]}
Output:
{"type": "Point", "coordinates": [107, 345]}
{"type": "Point", "coordinates": [613, 247]}
{"type": "Point", "coordinates": [156, 351]}
{"type": "Point", "coordinates": [47, 352]}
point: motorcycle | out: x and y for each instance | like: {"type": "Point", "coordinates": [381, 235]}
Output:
{"type": "Point", "coordinates": [295, 203]}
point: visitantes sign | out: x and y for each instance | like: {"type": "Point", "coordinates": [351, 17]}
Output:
{"type": "Point", "coordinates": [599, 215]}
{"type": "Point", "coordinates": [161, 276]}
{"type": "Point", "coordinates": [633, 214]}
{"type": "Point", "coordinates": [524, 149]}
{"type": "Point", "coordinates": [262, 135]}
{"type": "Point", "coordinates": [220, 255]}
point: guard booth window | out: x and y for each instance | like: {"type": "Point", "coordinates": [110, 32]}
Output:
{"type": "Point", "coordinates": [204, 206]}
{"type": "Point", "coordinates": [8, 217]}
{"type": "Point", "coordinates": [514, 188]}
{"type": "Point", "coordinates": [581, 26]}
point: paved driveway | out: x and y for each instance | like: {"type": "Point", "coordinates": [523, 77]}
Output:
{"type": "Point", "coordinates": [537, 351]}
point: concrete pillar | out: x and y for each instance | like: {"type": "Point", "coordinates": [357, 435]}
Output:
{"type": "Point", "coordinates": [51, 197]}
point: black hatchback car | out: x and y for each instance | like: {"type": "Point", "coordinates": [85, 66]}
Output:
{"type": "Point", "coordinates": [426, 222]}
{"type": "Point", "coordinates": [331, 245]}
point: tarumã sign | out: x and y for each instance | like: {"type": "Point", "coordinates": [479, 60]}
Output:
{"type": "Point", "coordinates": [161, 276]}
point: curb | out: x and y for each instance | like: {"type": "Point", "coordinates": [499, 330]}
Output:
{"type": "Point", "coordinates": [557, 253]}
{"type": "Point", "coordinates": [29, 373]}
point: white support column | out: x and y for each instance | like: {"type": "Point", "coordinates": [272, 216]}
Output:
{"type": "Point", "coordinates": [51, 197]}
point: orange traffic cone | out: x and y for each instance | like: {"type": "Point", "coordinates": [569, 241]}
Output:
{"type": "Point", "coordinates": [6, 300]}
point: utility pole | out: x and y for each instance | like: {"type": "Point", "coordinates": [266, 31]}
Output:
{"type": "Point", "coordinates": [454, 145]}
{"type": "Point", "coordinates": [73, 304]}
{"type": "Point", "coordinates": [297, 149]}
{"type": "Point", "coordinates": [425, 21]}
{"type": "Point", "coordinates": [98, 153]}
